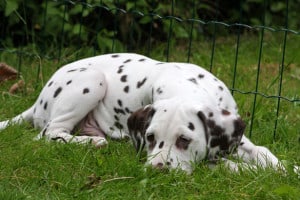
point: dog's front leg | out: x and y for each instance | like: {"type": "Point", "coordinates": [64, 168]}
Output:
{"type": "Point", "coordinates": [257, 155]}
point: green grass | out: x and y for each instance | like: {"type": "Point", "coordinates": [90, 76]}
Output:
{"type": "Point", "coordinates": [41, 170]}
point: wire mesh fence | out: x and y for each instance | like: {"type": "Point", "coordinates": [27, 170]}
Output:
{"type": "Point", "coordinates": [96, 27]}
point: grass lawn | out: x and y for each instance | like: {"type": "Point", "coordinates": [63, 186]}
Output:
{"type": "Point", "coordinates": [41, 170]}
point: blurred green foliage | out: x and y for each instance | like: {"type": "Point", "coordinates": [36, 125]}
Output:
{"type": "Point", "coordinates": [110, 25]}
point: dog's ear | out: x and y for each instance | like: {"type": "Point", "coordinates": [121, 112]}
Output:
{"type": "Point", "coordinates": [138, 123]}
{"type": "Point", "coordinates": [223, 130]}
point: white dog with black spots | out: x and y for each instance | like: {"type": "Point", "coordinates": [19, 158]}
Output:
{"type": "Point", "coordinates": [179, 112]}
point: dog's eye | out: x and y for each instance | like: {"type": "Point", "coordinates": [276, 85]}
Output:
{"type": "Point", "coordinates": [150, 137]}
{"type": "Point", "coordinates": [183, 142]}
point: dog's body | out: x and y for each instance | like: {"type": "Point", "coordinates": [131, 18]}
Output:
{"type": "Point", "coordinates": [179, 111]}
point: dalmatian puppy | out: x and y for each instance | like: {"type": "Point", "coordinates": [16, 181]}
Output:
{"type": "Point", "coordinates": [179, 112]}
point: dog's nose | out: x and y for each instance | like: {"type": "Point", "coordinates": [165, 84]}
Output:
{"type": "Point", "coordinates": [159, 165]}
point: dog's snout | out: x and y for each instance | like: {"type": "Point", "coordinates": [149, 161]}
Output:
{"type": "Point", "coordinates": [159, 165]}
{"type": "Point", "coordinates": [162, 165]}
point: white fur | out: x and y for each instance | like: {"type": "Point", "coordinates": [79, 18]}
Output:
{"type": "Point", "coordinates": [96, 96]}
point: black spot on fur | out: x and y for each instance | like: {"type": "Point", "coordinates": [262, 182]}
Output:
{"type": "Point", "coordinates": [72, 70]}
{"type": "Point", "coordinates": [210, 114]}
{"type": "Point", "coordinates": [59, 138]}
{"type": "Point", "coordinates": [124, 78]}
{"type": "Point", "coordinates": [202, 117]}
{"type": "Point", "coordinates": [120, 70]}
{"type": "Point", "coordinates": [69, 82]}
{"type": "Point", "coordinates": [126, 89]}
{"type": "Point", "coordinates": [201, 76]}
{"type": "Point", "coordinates": [140, 83]}
{"type": "Point", "coordinates": [128, 111]}
{"type": "Point", "coordinates": [221, 88]}
{"type": "Point", "coordinates": [159, 90]}
{"type": "Point", "coordinates": [115, 56]}
{"type": "Point", "coordinates": [220, 99]}
{"type": "Point", "coordinates": [45, 106]}
{"type": "Point", "coordinates": [160, 63]}
{"type": "Point", "coordinates": [44, 131]}
{"type": "Point", "coordinates": [142, 60]}
{"type": "Point", "coordinates": [57, 91]}
{"type": "Point", "coordinates": [41, 101]}
{"type": "Point", "coordinates": [116, 118]}
{"type": "Point", "coordinates": [225, 112]}
{"type": "Point", "coordinates": [161, 144]}
{"type": "Point", "coordinates": [193, 80]}
{"type": "Point", "coordinates": [85, 90]}
{"type": "Point", "coordinates": [119, 111]}
{"type": "Point", "coordinates": [127, 61]}
{"type": "Point", "coordinates": [50, 83]}
{"type": "Point", "coordinates": [191, 126]}
{"type": "Point", "coordinates": [118, 125]}
{"type": "Point", "coordinates": [120, 103]}
{"type": "Point", "coordinates": [82, 69]}
{"type": "Point", "coordinates": [34, 110]}
{"type": "Point", "coordinates": [101, 84]}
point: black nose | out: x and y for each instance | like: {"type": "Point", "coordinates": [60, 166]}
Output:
{"type": "Point", "coordinates": [159, 165]}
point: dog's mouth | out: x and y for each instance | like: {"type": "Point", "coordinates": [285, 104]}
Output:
{"type": "Point", "coordinates": [167, 166]}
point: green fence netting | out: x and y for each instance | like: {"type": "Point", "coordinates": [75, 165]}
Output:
{"type": "Point", "coordinates": [92, 27]}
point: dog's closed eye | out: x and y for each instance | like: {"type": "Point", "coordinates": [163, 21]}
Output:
{"type": "Point", "coordinates": [150, 137]}
{"type": "Point", "coordinates": [183, 142]}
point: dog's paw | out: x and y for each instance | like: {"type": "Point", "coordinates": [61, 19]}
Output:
{"type": "Point", "coordinates": [99, 142]}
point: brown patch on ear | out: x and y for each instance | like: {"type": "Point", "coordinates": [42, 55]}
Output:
{"type": "Point", "coordinates": [138, 123]}
{"type": "Point", "coordinates": [239, 128]}
{"type": "Point", "coordinates": [217, 131]}
{"type": "Point", "coordinates": [236, 136]}
{"type": "Point", "coordinates": [210, 126]}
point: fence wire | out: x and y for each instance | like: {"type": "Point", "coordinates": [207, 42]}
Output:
{"type": "Point", "coordinates": [102, 8]}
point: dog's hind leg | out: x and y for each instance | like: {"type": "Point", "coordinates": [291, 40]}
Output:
{"type": "Point", "coordinates": [74, 105]}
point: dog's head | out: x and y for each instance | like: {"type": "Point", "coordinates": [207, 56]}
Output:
{"type": "Point", "coordinates": [177, 134]}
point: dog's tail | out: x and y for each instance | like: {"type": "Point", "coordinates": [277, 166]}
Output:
{"type": "Point", "coordinates": [24, 116]}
